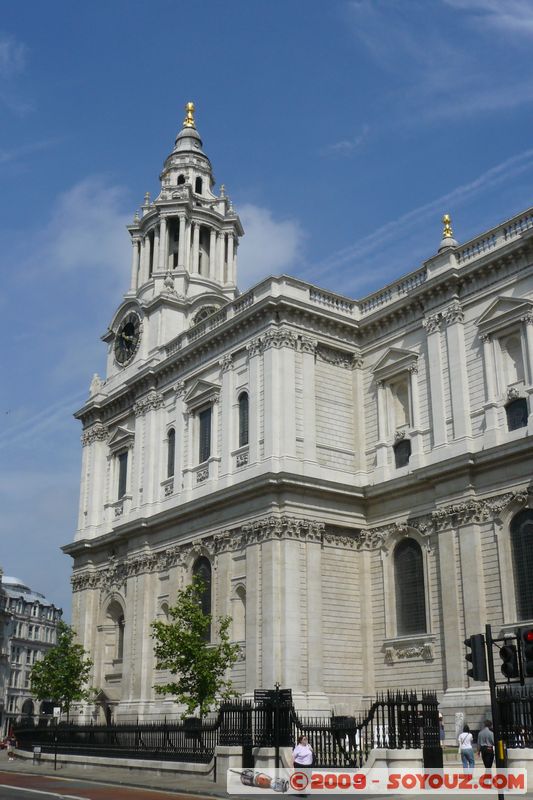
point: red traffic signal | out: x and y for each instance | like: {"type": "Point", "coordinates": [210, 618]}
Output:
{"type": "Point", "coordinates": [526, 643]}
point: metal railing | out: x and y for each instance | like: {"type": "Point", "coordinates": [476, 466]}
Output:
{"type": "Point", "coordinates": [396, 720]}
{"type": "Point", "coordinates": [516, 715]}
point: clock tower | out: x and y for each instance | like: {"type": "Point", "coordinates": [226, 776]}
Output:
{"type": "Point", "coordinates": [184, 259]}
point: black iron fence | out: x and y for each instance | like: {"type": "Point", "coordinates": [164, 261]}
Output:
{"type": "Point", "coordinates": [396, 720]}
{"type": "Point", "coordinates": [516, 715]}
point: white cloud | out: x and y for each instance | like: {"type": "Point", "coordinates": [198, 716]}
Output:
{"type": "Point", "coordinates": [87, 229]}
{"type": "Point", "coordinates": [499, 174]}
{"type": "Point", "coordinates": [14, 154]}
{"type": "Point", "coordinates": [346, 147]}
{"type": "Point", "coordinates": [511, 16]}
{"type": "Point", "coordinates": [12, 56]}
{"type": "Point", "coordinates": [269, 246]}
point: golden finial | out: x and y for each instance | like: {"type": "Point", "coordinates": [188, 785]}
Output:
{"type": "Point", "coordinates": [188, 122]}
{"type": "Point", "coordinates": [447, 233]}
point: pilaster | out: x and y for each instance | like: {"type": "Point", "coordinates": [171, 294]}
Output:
{"type": "Point", "coordinates": [308, 350]}
{"type": "Point", "coordinates": [227, 414]}
{"type": "Point", "coordinates": [254, 382]}
{"type": "Point", "coordinates": [492, 432]}
{"type": "Point", "coordinates": [459, 390]}
{"type": "Point", "coordinates": [452, 646]}
{"type": "Point", "coordinates": [438, 411]}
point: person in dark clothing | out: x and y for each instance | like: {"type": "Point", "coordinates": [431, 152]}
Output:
{"type": "Point", "coordinates": [485, 744]}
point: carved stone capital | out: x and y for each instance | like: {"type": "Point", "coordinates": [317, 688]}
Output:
{"type": "Point", "coordinates": [527, 318]}
{"type": "Point", "coordinates": [432, 324]}
{"type": "Point", "coordinates": [279, 338]}
{"type": "Point", "coordinates": [254, 347]}
{"type": "Point", "coordinates": [308, 345]}
{"type": "Point", "coordinates": [453, 314]}
{"type": "Point", "coordinates": [151, 402]}
{"type": "Point", "coordinates": [97, 433]}
{"type": "Point", "coordinates": [179, 389]}
{"type": "Point", "coordinates": [226, 362]}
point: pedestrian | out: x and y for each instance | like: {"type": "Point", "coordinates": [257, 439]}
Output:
{"type": "Point", "coordinates": [442, 734]}
{"type": "Point", "coordinates": [485, 744]}
{"type": "Point", "coordinates": [11, 748]}
{"type": "Point", "coordinates": [302, 755]}
{"type": "Point", "coordinates": [466, 750]}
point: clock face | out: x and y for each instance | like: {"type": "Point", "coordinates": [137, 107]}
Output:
{"type": "Point", "coordinates": [127, 338]}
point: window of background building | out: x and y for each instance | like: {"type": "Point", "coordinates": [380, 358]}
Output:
{"type": "Point", "coordinates": [171, 452]}
{"type": "Point", "coordinates": [202, 569]}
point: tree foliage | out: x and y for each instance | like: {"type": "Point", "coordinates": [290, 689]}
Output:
{"type": "Point", "coordinates": [181, 647]}
{"type": "Point", "coordinates": [63, 673]}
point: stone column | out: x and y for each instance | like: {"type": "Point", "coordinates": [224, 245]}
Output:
{"type": "Point", "coordinates": [86, 468]}
{"type": "Point", "coordinates": [381, 444]}
{"type": "Point", "coordinates": [229, 267]}
{"type": "Point", "coordinates": [254, 349]}
{"type": "Point", "coordinates": [452, 646]}
{"type": "Point", "coordinates": [438, 411]}
{"type": "Point", "coordinates": [163, 245]}
{"type": "Point", "coordinates": [416, 437]}
{"type": "Point", "coordinates": [271, 577]}
{"type": "Point", "coordinates": [134, 265]}
{"type": "Point", "coordinates": [214, 467]}
{"type": "Point", "coordinates": [189, 458]}
{"type": "Point", "coordinates": [156, 249]}
{"type": "Point", "coordinates": [492, 431]}
{"type": "Point", "coordinates": [195, 246]}
{"type": "Point", "coordinates": [180, 437]}
{"type": "Point", "coordinates": [221, 247]}
{"type": "Point", "coordinates": [475, 613]}
{"type": "Point", "coordinates": [313, 552]}
{"type": "Point", "coordinates": [254, 616]}
{"type": "Point", "coordinates": [147, 254]}
{"type": "Point", "coordinates": [234, 265]}
{"type": "Point", "coordinates": [279, 394]}
{"type": "Point", "coordinates": [462, 427]}
{"type": "Point", "coordinates": [308, 351]}
{"type": "Point", "coordinates": [212, 254]}
{"type": "Point", "coordinates": [142, 265]}
{"type": "Point", "coordinates": [227, 415]}
{"type": "Point", "coordinates": [181, 241]}
{"type": "Point", "coordinates": [291, 625]}
{"type": "Point", "coordinates": [188, 234]}
{"type": "Point", "coordinates": [96, 439]}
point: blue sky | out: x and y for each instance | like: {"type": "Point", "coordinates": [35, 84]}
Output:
{"type": "Point", "coordinates": [342, 131]}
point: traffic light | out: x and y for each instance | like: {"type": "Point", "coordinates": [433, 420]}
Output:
{"type": "Point", "coordinates": [509, 657]}
{"type": "Point", "coordinates": [526, 641]}
{"type": "Point", "coordinates": [478, 671]}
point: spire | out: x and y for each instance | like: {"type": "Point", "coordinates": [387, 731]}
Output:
{"type": "Point", "coordinates": [447, 234]}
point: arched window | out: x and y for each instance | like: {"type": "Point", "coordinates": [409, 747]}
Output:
{"type": "Point", "coordinates": [202, 569]}
{"type": "Point", "coordinates": [409, 585]}
{"type": "Point", "coordinates": [27, 708]}
{"type": "Point", "coordinates": [115, 616]}
{"type": "Point", "coordinates": [243, 419]}
{"type": "Point", "coordinates": [522, 544]}
{"type": "Point", "coordinates": [181, 180]}
{"type": "Point", "coordinates": [171, 452]}
{"type": "Point", "coordinates": [517, 415]}
{"type": "Point", "coordinates": [198, 185]}
{"type": "Point", "coordinates": [402, 453]}
{"type": "Point", "coordinates": [204, 438]}
{"type": "Point", "coordinates": [239, 615]}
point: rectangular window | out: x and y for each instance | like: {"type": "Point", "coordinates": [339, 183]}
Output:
{"type": "Point", "coordinates": [122, 474]}
{"type": "Point", "coordinates": [205, 434]}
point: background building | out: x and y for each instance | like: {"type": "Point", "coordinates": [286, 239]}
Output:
{"type": "Point", "coordinates": [351, 477]}
{"type": "Point", "coordinates": [30, 624]}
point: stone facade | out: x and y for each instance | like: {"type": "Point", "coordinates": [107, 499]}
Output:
{"type": "Point", "coordinates": [310, 436]}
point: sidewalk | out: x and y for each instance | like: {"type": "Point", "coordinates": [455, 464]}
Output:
{"type": "Point", "coordinates": [180, 784]}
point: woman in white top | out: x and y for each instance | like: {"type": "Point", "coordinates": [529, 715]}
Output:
{"type": "Point", "coordinates": [302, 755]}
{"type": "Point", "coordinates": [466, 741]}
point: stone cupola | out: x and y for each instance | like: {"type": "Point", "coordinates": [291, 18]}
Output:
{"type": "Point", "coordinates": [185, 241]}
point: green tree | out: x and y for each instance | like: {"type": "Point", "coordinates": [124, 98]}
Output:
{"type": "Point", "coordinates": [182, 648]}
{"type": "Point", "coordinates": [63, 673]}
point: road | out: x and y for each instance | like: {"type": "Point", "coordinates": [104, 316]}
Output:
{"type": "Point", "coordinates": [16, 786]}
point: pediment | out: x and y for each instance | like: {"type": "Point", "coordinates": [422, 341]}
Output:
{"type": "Point", "coordinates": [121, 437]}
{"type": "Point", "coordinates": [504, 311]}
{"type": "Point", "coordinates": [201, 393]}
{"type": "Point", "coordinates": [393, 361]}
